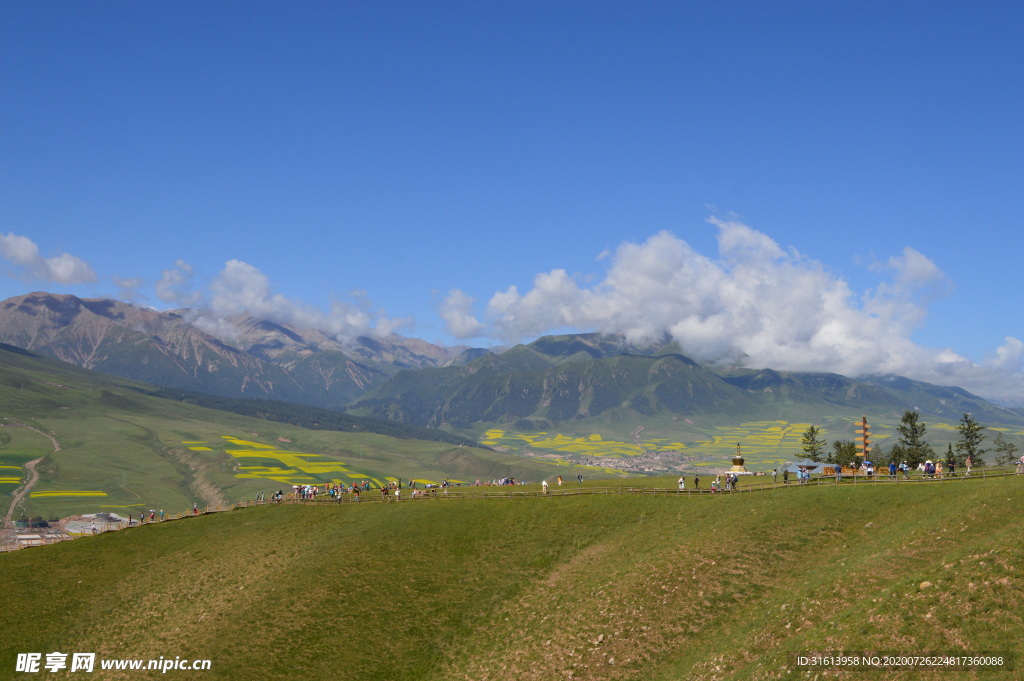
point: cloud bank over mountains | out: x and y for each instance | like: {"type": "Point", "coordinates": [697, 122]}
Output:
{"type": "Point", "coordinates": [242, 289]}
{"type": "Point", "coordinates": [768, 306]}
{"type": "Point", "coordinates": [756, 302]}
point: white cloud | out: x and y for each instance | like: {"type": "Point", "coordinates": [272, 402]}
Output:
{"type": "Point", "coordinates": [215, 326]}
{"type": "Point", "coordinates": [914, 278]}
{"type": "Point", "coordinates": [127, 289]}
{"type": "Point", "coordinates": [241, 288]}
{"type": "Point", "coordinates": [554, 301]}
{"type": "Point", "coordinates": [775, 306]}
{"type": "Point", "coordinates": [458, 321]}
{"type": "Point", "coordinates": [175, 285]}
{"type": "Point", "coordinates": [1008, 356]}
{"type": "Point", "coordinates": [61, 269]}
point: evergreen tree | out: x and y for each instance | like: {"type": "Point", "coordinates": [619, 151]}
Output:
{"type": "Point", "coordinates": [1007, 450]}
{"type": "Point", "coordinates": [970, 441]}
{"type": "Point", "coordinates": [911, 432]}
{"type": "Point", "coordinates": [844, 453]}
{"type": "Point", "coordinates": [813, 447]}
{"type": "Point", "coordinates": [896, 453]}
{"type": "Point", "coordinates": [950, 456]}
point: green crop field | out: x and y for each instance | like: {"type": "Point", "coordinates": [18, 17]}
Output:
{"type": "Point", "coordinates": [611, 586]}
{"type": "Point", "coordinates": [19, 446]}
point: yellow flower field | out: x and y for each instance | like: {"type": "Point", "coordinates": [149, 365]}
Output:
{"type": "Point", "coordinates": [65, 493]}
{"type": "Point", "coordinates": [769, 442]}
{"type": "Point", "coordinates": [269, 462]}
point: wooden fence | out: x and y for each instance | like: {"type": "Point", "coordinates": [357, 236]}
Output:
{"type": "Point", "coordinates": [746, 484]}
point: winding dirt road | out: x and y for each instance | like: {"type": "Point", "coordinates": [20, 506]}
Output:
{"type": "Point", "coordinates": [33, 474]}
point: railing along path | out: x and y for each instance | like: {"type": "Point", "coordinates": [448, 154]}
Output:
{"type": "Point", "coordinates": [745, 485]}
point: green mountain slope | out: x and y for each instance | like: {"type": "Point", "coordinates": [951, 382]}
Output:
{"type": "Point", "coordinates": [616, 587]}
{"type": "Point", "coordinates": [884, 396]}
{"type": "Point", "coordinates": [567, 382]}
{"type": "Point", "coordinates": [312, 418]}
{"type": "Point", "coordinates": [524, 384]}
{"type": "Point", "coordinates": [125, 450]}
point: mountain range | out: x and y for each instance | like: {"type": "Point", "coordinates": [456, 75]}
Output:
{"type": "Point", "coordinates": [247, 357]}
{"type": "Point", "coordinates": [590, 376]}
{"type": "Point", "coordinates": [553, 380]}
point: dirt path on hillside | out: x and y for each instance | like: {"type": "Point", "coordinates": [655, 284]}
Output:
{"type": "Point", "coordinates": [201, 483]}
{"type": "Point", "coordinates": [636, 439]}
{"type": "Point", "coordinates": [194, 469]}
{"type": "Point", "coordinates": [33, 474]}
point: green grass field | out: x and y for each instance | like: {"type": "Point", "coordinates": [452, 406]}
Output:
{"type": "Point", "coordinates": [126, 452]}
{"type": "Point", "coordinates": [616, 586]}
{"type": "Point", "coordinates": [143, 461]}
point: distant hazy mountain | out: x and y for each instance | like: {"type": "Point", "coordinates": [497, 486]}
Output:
{"type": "Point", "coordinates": [559, 378]}
{"type": "Point", "coordinates": [247, 358]}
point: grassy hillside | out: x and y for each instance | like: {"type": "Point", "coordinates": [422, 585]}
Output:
{"type": "Point", "coordinates": [313, 418]}
{"type": "Point", "coordinates": [125, 451]}
{"type": "Point", "coordinates": [588, 587]}
{"type": "Point", "coordinates": [584, 397]}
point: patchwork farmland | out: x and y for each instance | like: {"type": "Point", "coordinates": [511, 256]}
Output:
{"type": "Point", "coordinates": [764, 444]}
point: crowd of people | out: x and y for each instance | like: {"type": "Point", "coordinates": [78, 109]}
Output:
{"type": "Point", "coordinates": [718, 484]}
{"type": "Point", "coordinates": [392, 489]}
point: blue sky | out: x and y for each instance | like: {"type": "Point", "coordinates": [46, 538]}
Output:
{"type": "Point", "coordinates": [849, 170]}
